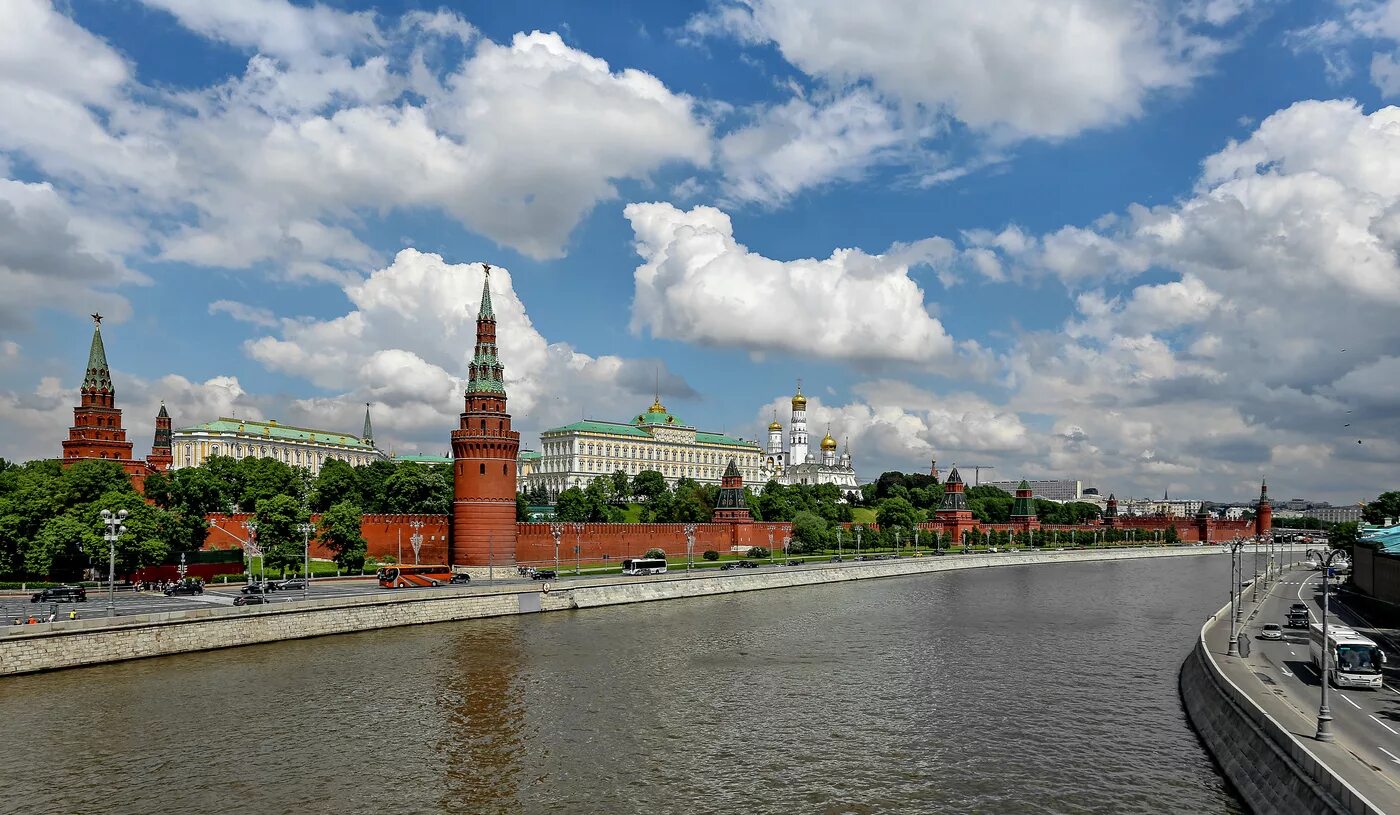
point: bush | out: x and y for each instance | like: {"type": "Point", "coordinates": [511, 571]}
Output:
{"type": "Point", "coordinates": [710, 554]}
{"type": "Point", "coordinates": [759, 552]}
{"type": "Point", "coordinates": [655, 552]}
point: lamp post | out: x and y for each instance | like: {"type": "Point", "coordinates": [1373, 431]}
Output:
{"type": "Point", "coordinates": [1235, 547]}
{"type": "Point", "coordinates": [305, 530]}
{"type": "Point", "coordinates": [689, 545]}
{"type": "Point", "coordinates": [578, 551]}
{"type": "Point", "coordinates": [771, 556]}
{"type": "Point", "coordinates": [838, 543]}
{"type": "Point", "coordinates": [115, 528]}
{"type": "Point", "coordinates": [252, 548]}
{"type": "Point", "coordinates": [416, 539]}
{"type": "Point", "coordinates": [787, 547]}
{"type": "Point", "coordinates": [896, 543]}
{"type": "Point", "coordinates": [1254, 587]}
{"type": "Point", "coordinates": [858, 531]}
{"type": "Point", "coordinates": [556, 529]}
{"type": "Point", "coordinates": [1324, 713]}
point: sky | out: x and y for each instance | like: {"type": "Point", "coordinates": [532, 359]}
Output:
{"type": "Point", "coordinates": [1151, 246]}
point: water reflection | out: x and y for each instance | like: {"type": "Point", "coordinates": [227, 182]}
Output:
{"type": "Point", "coordinates": [481, 700]}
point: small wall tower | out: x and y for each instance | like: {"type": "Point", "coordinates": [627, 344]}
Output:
{"type": "Point", "coordinates": [161, 457]}
{"type": "Point", "coordinates": [1023, 509]}
{"type": "Point", "coordinates": [731, 508]}
{"type": "Point", "coordinates": [1110, 512]}
{"type": "Point", "coordinates": [953, 512]}
{"type": "Point", "coordinates": [484, 450]}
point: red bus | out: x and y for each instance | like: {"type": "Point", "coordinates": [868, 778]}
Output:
{"type": "Point", "coordinates": [402, 577]}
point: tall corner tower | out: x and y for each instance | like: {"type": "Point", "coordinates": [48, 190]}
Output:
{"type": "Point", "coordinates": [97, 422]}
{"type": "Point", "coordinates": [1264, 512]}
{"type": "Point", "coordinates": [484, 450]}
{"type": "Point", "coordinates": [1110, 512]}
{"type": "Point", "coordinates": [161, 457]}
{"type": "Point", "coordinates": [797, 436]}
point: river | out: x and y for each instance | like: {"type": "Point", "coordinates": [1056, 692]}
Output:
{"type": "Point", "coordinates": [1028, 689]}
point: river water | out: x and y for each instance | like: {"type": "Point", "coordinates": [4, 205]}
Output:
{"type": "Point", "coordinates": [1029, 689]}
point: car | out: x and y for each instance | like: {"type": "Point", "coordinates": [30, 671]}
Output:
{"type": "Point", "coordinates": [747, 564]}
{"type": "Point", "coordinates": [258, 588]}
{"type": "Point", "coordinates": [461, 577]}
{"type": "Point", "coordinates": [544, 574]}
{"type": "Point", "coordinates": [835, 558]}
{"type": "Point", "coordinates": [60, 594]}
{"type": "Point", "coordinates": [292, 583]}
{"type": "Point", "coordinates": [249, 600]}
{"type": "Point", "coordinates": [793, 563]}
{"type": "Point", "coordinates": [1298, 607]}
{"type": "Point", "coordinates": [184, 589]}
{"type": "Point", "coordinates": [724, 567]}
{"type": "Point", "coordinates": [1272, 631]}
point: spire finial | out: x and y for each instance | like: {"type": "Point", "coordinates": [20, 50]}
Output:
{"type": "Point", "coordinates": [486, 312]}
{"type": "Point", "coordinates": [96, 319]}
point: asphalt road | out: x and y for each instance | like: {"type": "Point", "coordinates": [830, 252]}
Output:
{"type": "Point", "coordinates": [1366, 722]}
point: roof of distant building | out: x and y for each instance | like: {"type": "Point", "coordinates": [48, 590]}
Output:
{"type": "Point", "coordinates": [422, 458]}
{"type": "Point", "coordinates": [1385, 539]}
{"type": "Point", "coordinates": [272, 430]}
{"type": "Point", "coordinates": [634, 430]}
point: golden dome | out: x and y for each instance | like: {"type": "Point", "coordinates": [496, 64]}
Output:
{"type": "Point", "coordinates": [775, 425]}
{"type": "Point", "coordinates": [657, 407]}
{"type": "Point", "coordinates": [799, 402]}
{"type": "Point", "coordinates": [828, 443]}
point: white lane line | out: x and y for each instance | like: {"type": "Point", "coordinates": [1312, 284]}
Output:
{"type": "Point", "coordinates": [1311, 669]}
{"type": "Point", "coordinates": [1387, 727]}
{"type": "Point", "coordinates": [1285, 671]}
{"type": "Point", "coordinates": [1353, 704]}
{"type": "Point", "coordinates": [1387, 752]}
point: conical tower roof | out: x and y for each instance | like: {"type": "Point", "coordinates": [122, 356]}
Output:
{"type": "Point", "coordinates": [953, 477]}
{"type": "Point", "coordinates": [486, 312]}
{"type": "Point", "coordinates": [732, 471]}
{"type": "Point", "coordinates": [162, 414]}
{"type": "Point", "coordinates": [98, 377]}
{"type": "Point", "coordinates": [368, 435]}
{"type": "Point", "coordinates": [1024, 485]}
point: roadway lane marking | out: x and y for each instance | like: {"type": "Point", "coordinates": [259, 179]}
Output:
{"type": "Point", "coordinates": [1387, 727]}
{"type": "Point", "coordinates": [1387, 752]}
{"type": "Point", "coordinates": [1353, 704]}
{"type": "Point", "coordinates": [1285, 671]}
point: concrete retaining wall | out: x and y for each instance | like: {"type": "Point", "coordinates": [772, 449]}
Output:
{"type": "Point", "coordinates": [52, 646]}
{"type": "Point", "coordinates": [1272, 770]}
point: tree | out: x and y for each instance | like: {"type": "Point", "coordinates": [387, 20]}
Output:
{"type": "Point", "coordinates": [265, 478]}
{"type": "Point", "coordinates": [655, 552]}
{"type": "Point", "coordinates": [522, 507]}
{"type": "Point", "coordinates": [648, 484]}
{"type": "Point", "coordinates": [339, 531]}
{"type": "Point", "coordinates": [1345, 536]}
{"type": "Point", "coordinates": [413, 489]}
{"type": "Point", "coordinates": [758, 552]}
{"type": "Point", "coordinates": [335, 483]}
{"type": "Point", "coordinates": [571, 506]}
{"type": "Point", "coordinates": [279, 537]}
{"type": "Point", "coordinates": [810, 532]}
{"type": "Point", "coordinates": [710, 554]}
{"type": "Point", "coordinates": [896, 513]}
{"type": "Point", "coordinates": [621, 485]}
{"type": "Point", "coordinates": [1171, 536]}
{"type": "Point", "coordinates": [372, 477]}
{"type": "Point", "coordinates": [1386, 505]}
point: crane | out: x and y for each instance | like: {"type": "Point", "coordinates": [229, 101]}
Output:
{"type": "Point", "coordinates": [977, 472]}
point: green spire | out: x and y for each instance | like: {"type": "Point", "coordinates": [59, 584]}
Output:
{"type": "Point", "coordinates": [486, 313]}
{"type": "Point", "coordinates": [368, 435]}
{"type": "Point", "coordinates": [1022, 507]}
{"type": "Point", "coordinates": [98, 377]}
{"type": "Point", "coordinates": [163, 414]}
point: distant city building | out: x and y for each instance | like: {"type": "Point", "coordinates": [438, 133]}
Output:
{"type": "Point", "coordinates": [575, 454]}
{"type": "Point", "coordinates": [1140, 507]}
{"type": "Point", "coordinates": [1050, 489]}
{"type": "Point", "coordinates": [796, 464]}
{"type": "Point", "coordinates": [295, 446]}
{"type": "Point", "coordinates": [1334, 515]}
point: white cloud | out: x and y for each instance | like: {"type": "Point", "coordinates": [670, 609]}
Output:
{"type": "Point", "coordinates": [244, 313]}
{"type": "Point", "coordinates": [698, 284]}
{"type": "Point", "coordinates": [1374, 22]}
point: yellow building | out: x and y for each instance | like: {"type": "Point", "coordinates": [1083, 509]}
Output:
{"type": "Point", "coordinates": [296, 446]}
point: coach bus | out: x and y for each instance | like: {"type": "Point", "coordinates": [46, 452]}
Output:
{"type": "Point", "coordinates": [1356, 661]}
{"type": "Point", "coordinates": [402, 577]}
{"type": "Point", "coordinates": [644, 565]}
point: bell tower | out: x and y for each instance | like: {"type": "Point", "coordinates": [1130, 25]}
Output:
{"type": "Point", "coordinates": [484, 449]}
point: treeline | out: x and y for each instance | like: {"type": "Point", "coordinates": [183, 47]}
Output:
{"type": "Point", "coordinates": [988, 504]}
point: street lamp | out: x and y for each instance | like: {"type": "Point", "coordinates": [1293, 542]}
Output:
{"type": "Point", "coordinates": [1235, 546]}
{"type": "Point", "coordinates": [252, 549]}
{"type": "Point", "coordinates": [416, 539]}
{"type": "Point", "coordinates": [1324, 713]}
{"type": "Point", "coordinates": [896, 543]}
{"type": "Point", "coordinates": [556, 529]}
{"type": "Point", "coordinates": [115, 527]}
{"type": "Point", "coordinates": [771, 556]}
{"type": "Point", "coordinates": [578, 551]}
{"type": "Point", "coordinates": [838, 543]}
{"type": "Point", "coordinates": [858, 531]}
{"type": "Point", "coordinates": [305, 530]}
{"type": "Point", "coordinates": [689, 545]}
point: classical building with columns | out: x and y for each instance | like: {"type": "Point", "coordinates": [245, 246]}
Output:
{"type": "Point", "coordinates": [575, 454]}
{"type": "Point", "coordinates": [296, 446]}
{"type": "Point", "coordinates": [797, 464]}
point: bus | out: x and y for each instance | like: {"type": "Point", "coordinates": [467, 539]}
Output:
{"type": "Point", "coordinates": [402, 577]}
{"type": "Point", "coordinates": [644, 565]}
{"type": "Point", "coordinates": [1356, 661]}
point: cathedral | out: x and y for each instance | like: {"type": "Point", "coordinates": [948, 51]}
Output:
{"type": "Point", "coordinates": [796, 464]}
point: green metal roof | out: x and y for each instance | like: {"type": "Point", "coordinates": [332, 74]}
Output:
{"type": "Point", "coordinates": [421, 458]}
{"type": "Point", "coordinates": [271, 430]}
{"type": "Point", "coordinates": [720, 438]}
{"type": "Point", "coordinates": [529, 455]}
{"type": "Point", "coordinates": [620, 429]}
{"type": "Point", "coordinates": [97, 377]}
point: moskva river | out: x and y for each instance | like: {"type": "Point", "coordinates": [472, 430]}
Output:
{"type": "Point", "coordinates": [1028, 689]}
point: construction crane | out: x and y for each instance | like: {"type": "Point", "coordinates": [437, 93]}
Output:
{"type": "Point", "coordinates": [977, 472]}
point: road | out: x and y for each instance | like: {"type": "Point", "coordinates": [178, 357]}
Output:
{"type": "Point", "coordinates": [1366, 723]}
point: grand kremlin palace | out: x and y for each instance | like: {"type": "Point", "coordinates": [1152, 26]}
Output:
{"type": "Point", "coordinates": [575, 454]}
{"type": "Point", "coordinates": [296, 446]}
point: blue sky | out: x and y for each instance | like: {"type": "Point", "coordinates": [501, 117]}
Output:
{"type": "Point", "coordinates": [1068, 240]}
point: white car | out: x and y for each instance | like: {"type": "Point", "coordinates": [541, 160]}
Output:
{"type": "Point", "coordinates": [1272, 631]}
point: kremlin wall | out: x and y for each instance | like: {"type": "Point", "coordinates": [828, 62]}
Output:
{"type": "Point", "coordinates": [481, 532]}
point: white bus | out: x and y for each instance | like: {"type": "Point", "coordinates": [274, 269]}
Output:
{"type": "Point", "coordinates": [1356, 662]}
{"type": "Point", "coordinates": [644, 565]}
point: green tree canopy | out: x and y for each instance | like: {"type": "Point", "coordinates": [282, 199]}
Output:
{"type": "Point", "coordinates": [895, 513]}
{"type": "Point", "coordinates": [648, 484]}
{"type": "Point", "coordinates": [339, 531]}
{"type": "Point", "coordinates": [1386, 505]}
{"type": "Point", "coordinates": [279, 536]}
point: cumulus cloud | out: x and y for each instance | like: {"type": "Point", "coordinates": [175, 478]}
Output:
{"type": "Point", "coordinates": [698, 284]}
{"type": "Point", "coordinates": [1373, 22]}
{"type": "Point", "coordinates": [406, 343]}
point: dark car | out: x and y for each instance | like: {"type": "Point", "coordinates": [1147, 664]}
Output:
{"type": "Point", "coordinates": [748, 564]}
{"type": "Point", "coordinates": [292, 583]}
{"type": "Point", "coordinates": [461, 577]}
{"type": "Point", "coordinates": [793, 563]}
{"type": "Point", "coordinates": [60, 594]}
{"type": "Point", "coordinates": [727, 566]}
{"type": "Point", "coordinates": [249, 600]}
{"type": "Point", "coordinates": [258, 588]}
{"type": "Point", "coordinates": [544, 574]}
{"type": "Point", "coordinates": [184, 589]}
{"type": "Point", "coordinates": [835, 558]}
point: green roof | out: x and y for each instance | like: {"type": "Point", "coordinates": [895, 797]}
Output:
{"type": "Point", "coordinates": [421, 458]}
{"type": "Point", "coordinates": [620, 429]}
{"type": "Point", "coordinates": [272, 430]}
{"type": "Point", "coordinates": [97, 377]}
{"type": "Point", "coordinates": [529, 455]}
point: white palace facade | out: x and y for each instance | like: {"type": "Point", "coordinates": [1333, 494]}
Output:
{"type": "Point", "coordinates": [575, 454]}
{"type": "Point", "coordinates": [295, 446]}
{"type": "Point", "coordinates": [797, 464]}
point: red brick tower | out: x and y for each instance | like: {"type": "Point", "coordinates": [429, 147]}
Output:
{"type": "Point", "coordinates": [1264, 512]}
{"type": "Point", "coordinates": [484, 450]}
{"type": "Point", "coordinates": [97, 423]}
{"type": "Point", "coordinates": [1110, 513]}
{"type": "Point", "coordinates": [953, 512]}
{"type": "Point", "coordinates": [161, 458]}
{"type": "Point", "coordinates": [1023, 515]}
{"type": "Point", "coordinates": [731, 508]}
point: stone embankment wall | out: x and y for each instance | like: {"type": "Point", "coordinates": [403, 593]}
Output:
{"type": "Point", "coordinates": [51, 646]}
{"type": "Point", "coordinates": [1272, 770]}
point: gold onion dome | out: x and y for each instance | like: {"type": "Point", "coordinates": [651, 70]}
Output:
{"type": "Point", "coordinates": [775, 425]}
{"type": "Point", "coordinates": [799, 402]}
{"type": "Point", "coordinates": [828, 443]}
